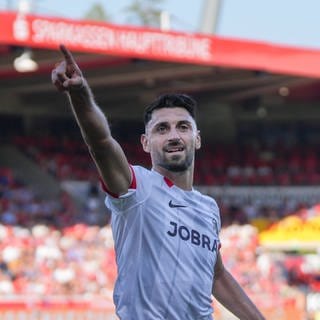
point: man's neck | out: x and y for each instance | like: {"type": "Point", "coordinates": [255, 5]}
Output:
{"type": "Point", "coordinates": [183, 180]}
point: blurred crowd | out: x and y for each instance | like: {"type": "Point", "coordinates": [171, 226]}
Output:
{"type": "Point", "coordinates": [235, 164]}
{"type": "Point", "coordinates": [47, 250]}
{"type": "Point", "coordinates": [46, 246]}
{"type": "Point", "coordinates": [263, 277]}
{"type": "Point", "coordinates": [52, 247]}
{"type": "Point", "coordinates": [43, 261]}
{"type": "Point", "coordinates": [20, 205]}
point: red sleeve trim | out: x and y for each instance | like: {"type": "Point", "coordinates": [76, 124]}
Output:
{"type": "Point", "coordinates": [133, 184]}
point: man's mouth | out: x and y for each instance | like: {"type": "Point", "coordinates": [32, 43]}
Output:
{"type": "Point", "coordinates": [175, 149]}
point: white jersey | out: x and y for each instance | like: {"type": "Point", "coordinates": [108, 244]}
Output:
{"type": "Point", "coordinates": [166, 243]}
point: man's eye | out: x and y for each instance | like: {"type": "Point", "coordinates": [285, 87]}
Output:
{"type": "Point", "coordinates": [184, 127]}
{"type": "Point", "coordinates": [161, 128]}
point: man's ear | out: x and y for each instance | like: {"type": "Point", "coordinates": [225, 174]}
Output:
{"type": "Point", "coordinates": [198, 140]}
{"type": "Point", "coordinates": [145, 143]}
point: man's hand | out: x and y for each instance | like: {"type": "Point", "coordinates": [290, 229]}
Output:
{"type": "Point", "coordinates": [66, 75]}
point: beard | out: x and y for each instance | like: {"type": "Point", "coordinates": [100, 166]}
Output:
{"type": "Point", "coordinates": [176, 164]}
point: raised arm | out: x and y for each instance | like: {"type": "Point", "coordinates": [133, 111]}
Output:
{"type": "Point", "coordinates": [229, 293]}
{"type": "Point", "coordinates": [104, 149]}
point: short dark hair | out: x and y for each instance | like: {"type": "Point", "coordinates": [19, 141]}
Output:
{"type": "Point", "coordinates": [171, 100]}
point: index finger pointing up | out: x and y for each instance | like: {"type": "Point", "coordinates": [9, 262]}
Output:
{"type": "Point", "coordinates": [67, 55]}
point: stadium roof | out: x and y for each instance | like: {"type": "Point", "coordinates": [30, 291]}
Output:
{"type": "Point", "coordinates": [133, 65]}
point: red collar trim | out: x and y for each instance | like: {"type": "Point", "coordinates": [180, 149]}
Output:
{"type": "Point", "coordinates": [168, 182]}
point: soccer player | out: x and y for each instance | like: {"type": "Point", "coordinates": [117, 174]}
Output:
{"type": "Point", "coordinates": [166, 233]}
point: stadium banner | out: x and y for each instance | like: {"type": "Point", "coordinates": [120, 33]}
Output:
{"type": "Point", "coordinates": [269, 195]}
{"type": "Point", "coordinates": [27, 308]}
{"type": "Point", "coordinates": [153, 44]}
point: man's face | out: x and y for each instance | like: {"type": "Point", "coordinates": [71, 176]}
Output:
{"type": "Point", "coordinates": [171, 138]}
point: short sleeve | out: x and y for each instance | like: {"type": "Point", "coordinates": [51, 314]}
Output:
{"type": "Point", "coordinates": [136, 194]}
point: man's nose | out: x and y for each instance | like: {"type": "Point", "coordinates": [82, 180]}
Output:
{"type": "Point", "coordinates": [174, 134]}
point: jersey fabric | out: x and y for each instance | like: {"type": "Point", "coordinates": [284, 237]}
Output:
{"type": "Point", "coordinates": [166, 243]}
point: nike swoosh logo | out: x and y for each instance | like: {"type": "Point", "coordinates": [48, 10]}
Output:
{"type": "Point", "coordinates": [172, 205]}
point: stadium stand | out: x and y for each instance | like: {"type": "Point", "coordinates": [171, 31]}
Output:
{"type": "Point", "coordinates": [47, 246]}
{"type": "Point", "coordinates": [59, 248]}
{"type": "Point", "coordinates": [56, 248]}
{"type": "Point", "coordinates": [68, 159]}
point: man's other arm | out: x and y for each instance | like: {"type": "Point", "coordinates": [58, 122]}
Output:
{"type": "Point", "coordinates": [229, 293]}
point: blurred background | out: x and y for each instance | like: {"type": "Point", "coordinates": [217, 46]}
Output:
{"type": "Point", "coordinates": [254, 69]}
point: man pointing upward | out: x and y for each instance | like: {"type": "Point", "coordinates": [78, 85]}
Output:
{"type": "Point", "coordinates": [166, 233]}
